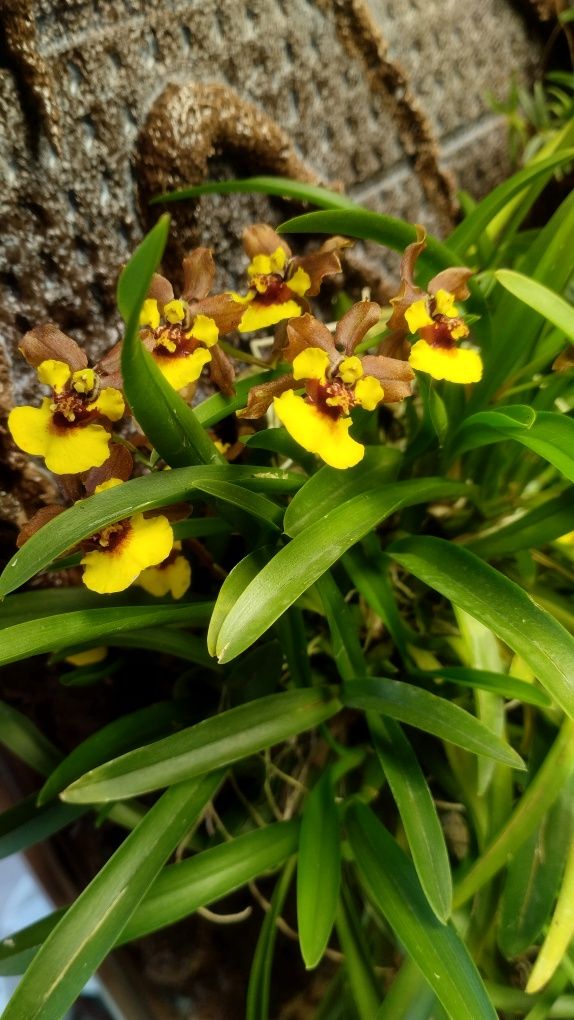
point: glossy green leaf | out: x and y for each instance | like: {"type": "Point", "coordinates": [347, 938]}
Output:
{"type": "Point", "coordinates": [212, 743]}
{"type": "Point", "coordinates": [359, 967]}
{"type": "Point", "coordinates": [232, 588]}
{"type": "Point", "coordinates": [283, 187]}
{"type": "Point", "coordinates": [533, 878]}
{"type": "Point", "coordinates": [540, 298]}
{"type": "Point", "coordinates": [368, 568]}
{"type": "Point", "coordinates": [391, 882]}
{"type": "Point", "coordinates": [178, 890]}
{"type": "Point", "coordinates": [165, 418]}
{"type": "Point", "coordinates": [471, 228]}
{"type": "Point", "coordinates": [329, 488]}
{"type": "Point", "coordinates": [165, 640]}
{"type": "Point", "coordinates": [30, 605]}
{"type": "Point", "coordinates": [499, 683]}
{"type": "Point", "coordinates": [132, 730]}
{"type": "Point", "coordinates": [551, 436]}
{"type": "Point", "coordinates": [560, 931]}
{"type": "Point", "coordinates": [418, 813]}
{"type": "Point", "coordinates": [258, 991]}
{"type": "Point", "coordinates": [278, 440]}
{"type": "Point", "coordinates": [556, 770]}
{"type": "Point", "coordinates": [537, 527]}
{"type": "Point", "coordinates": [91, 926]}
{"type": "Point", "coordinates": [318, 871]}
{"type": "Point", "coordinates": [297, 566]}
{"type": "Point", "coordinates": [500, 605]}
{"type": "Point", "coordinates": [24, 739]}
{"type": "Point", "coordinates": [24, 824]}
{"type": "Point", "coordinates": [90, 515]}
{"type": "Point", "coordinates": [409, 704]}
{"type": "Point", "coordinates": [370, 226]}
{"type": "Point", "coordinates": [70, 629]}
{"type": "Point", "coordinates": [252, 503]}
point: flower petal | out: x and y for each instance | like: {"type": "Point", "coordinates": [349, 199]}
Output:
{"type": "Point", "coordinates": [258, 316]}
{"type": "Point", "coordinates": [369, 392]}
{"type": "Point", "coordinates": [307, 331]}
{"type": "Point", "coordinates": [300, 282]}
{"type": "Point", "coordinates": [264, 265]}
{"type": "Point", "coordinates": [149, 315]}
{"type": "Point", "coordinates": [350, 370]}
{"type": "Point", "coordinates": [352, 327]}
{"type": "Point", "coordinates": [53, 373]}
{"type": "Point", "coordinates": [311, 364]}
{"type": "Point", "coordinates": [70, 451]}
{"type": "Point", "coordinates": [455, 364]}
{"type": "Point", "coordinates": [453, 279]}
{"type": "Point", "coordinates": [110, 403]}
{"type": "Point", "coordinates": [444, 301]}
{"type": "Point", "coordinates": [205, 330]}
{"type": "Point", "coordinates": [198, 274]}
{"type": "Point", "coordinates": [147, 543]}
{"type": "Point", "coordinates": [417, 316]}
{"type": "Point", "coordinates": [261, 397]}
{"type": "Point", "coordinates": [45, 342]}
{"type": "Point", "coordinates": [180, 371]}
{"type": "Point", "coordinates": [175, 578]}
{"type": "Point", "coordinates": [261, 239]}
{"type": "Point", "coordinates": [317, 432]}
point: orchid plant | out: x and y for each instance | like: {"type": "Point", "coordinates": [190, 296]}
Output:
{"type": "Point", "coordinates": [349, 558]}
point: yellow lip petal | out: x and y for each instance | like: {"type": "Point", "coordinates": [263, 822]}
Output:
{"type": "Point", "coordinates": [311, 364]}
{"type": "Point", "coordinates": [417, 316]}
{"type": "Point", "coordinates": [181, 371]}
{"type": "Point", "coordinates": [259, 316]}
{"type": "Point", "coordinates": [317, 432]}
{"type": "Point", "coordinates": [455, 364]}
{"type": "Point", "coordinates": [174, 579]}
{"type": "Point", "coordinates": [147, 543]}
{"type": "Point", "coordinates": [67, 450]}
{"type": "Point", "coordinates": [54, 373]}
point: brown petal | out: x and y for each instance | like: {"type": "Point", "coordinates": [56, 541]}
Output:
{"type": "Point", "coordinates": [261, 239]}
{"type": "Point", "coordinates": [109, 368]}
{"type": "Point", "coordinates": [261, 397]}
{"type": "Point", "coordinates": [118, 465]}
{"type": "Point", "coordinates": [47, 342]}
{"type": "Point", "coordinates": [336, 243]}
{"type": "Point", "coordinates": [198, 274]}
{"type": "Point", "coordinates": [317, 265]}
{"type": "Point", "coordinates": [411, 254]}
{"type": "Point", "coordinates": [408, 291]}
{"type": "Point", "coordinates": [160, 289]}
{"type": "Point", "coordinates": [454, 280]}
{"type": "Point", "coordinates": [355, 324]}
{"type": "Point", "coordinates": [221, 371]}
{"type": "Point", "coordinates": [40, 518]}
{"type": "Point", "coordinates": [396, 377]}
{"type": "Point", "coordinates": [307, 331]}
{"type": "Point", "coordinates": [564, 361]}
{"type": "Point", "coordinates": [225, 312]}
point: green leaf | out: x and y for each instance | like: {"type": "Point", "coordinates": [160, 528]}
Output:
{"type": "Point", "coordinates": [71, 629]}
{"type": "Point", "coordinates": [178, 890]}
{"type": "Point", "coordinates": [368, 568]}
{"type": "Point", "coordinates": [257, 1007]}
{"type": "Point", "coordinates": [500, 605]}
{"type": "Point", "coordinates": [165, 418]}
{"type": "Point", "coordinates": [90, 515]}
{"type": "Point", "coordinates": [540, 298]}
{"type": "Point", "coordinates": [283, 187]}
{"type": "Point", "coordinates": [471, 228]}
{"type": "Point", "coordinates": [546, 523]}
{"type": "Point", "coordinates": [30, 605]}
{"type": "Point", "coordinates": [164, 640]}
{"type": "Point", "coordinates": [392, 884]}
{"type": "Point", "coordinates": [25, 740]}
{"type": "Point", "coordinates": [318, 871]}
{"type": "Point", "coordinates": [251, 502]}
{"type": "Point", "coordinates": [297, 566]}
{"type": "Point", "coordinates": [329, 488]}
{"type": "Point", "coordinates": [232, 588]}
{"type": "Point", "coordinates": [533, 878]}
{"type": "Point", "coordinates": [25, 824]}
{"type": "Point", "coordinates": [418, 813]}
{"type": "Point", "coordinates": [370, 226]}
{"type": "Point", "coordinates": [550, 435]}
{"type": "Point", "coordinates": [359, 967]}
{"type": "Point", "coordinates": [430, 713]}
{"type": "Point", "coordinates": [132, 730]}
{"type": "Point", "coordinates": [91, 926]}
{"type": "Point", "coordinates": [218, 407]}
{"type": "Point", "coordinates": [212, 743]}
{"type": "Point", "coordinates": [485, 680]}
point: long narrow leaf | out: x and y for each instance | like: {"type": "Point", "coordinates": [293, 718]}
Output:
{"type": "Point", "coordinates": [500, 605]}
{"type": "Point", "coordinates": [283, 187]}
{"type": "Point", "coordinates": [540, 298]}
{"type": "Point", "coordinates": [392, 884]}
{"type": "Point", "coordinates": [318, 871]}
